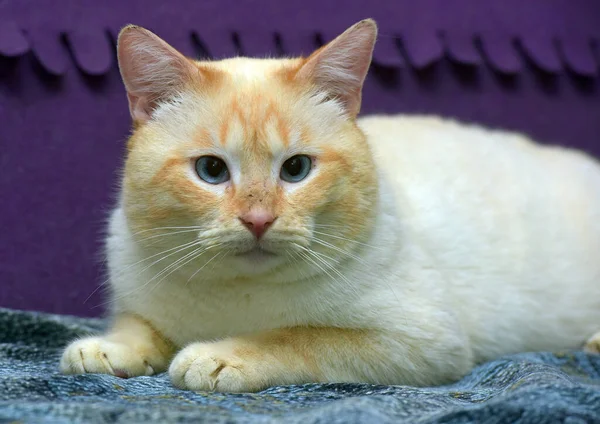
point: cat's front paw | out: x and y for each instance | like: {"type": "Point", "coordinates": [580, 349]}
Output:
{"type": "Point", "coordinates": [218, 367]}
{"type": "Point", "coordinates": [100, 356]}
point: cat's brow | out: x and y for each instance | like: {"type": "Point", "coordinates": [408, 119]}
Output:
{"type": "Point", "coordinates": [255, 115]}
{"type": "Point", "coordinates": [203, 139]}
{"type": "Point", "coordinates": [223, 131]}
{"type": "Point", "coordinates": [231, 113]}
{"type": "Point", "coordinates": [273, 114]}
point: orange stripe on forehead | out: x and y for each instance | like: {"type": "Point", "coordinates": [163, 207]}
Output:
{"type": "Point", "coordinates": [284, 131]}
{"type": "Point", "coordinates": [282, 128]}
{"type": "Point", "coordinates": [224, 130]}
{"type": "Point", "coordinates": [255, 102]}
{"type": "Point", "coordinates": [236, 110]}
{"type": "Point", "coordinates": [272, 113]}
{"type": "Point", "coordinates": [230, 114]}
{"type": "Point", "coordinates": [255, 114]}
{"type": "Point", "coordinates": [305, 135]}
{"type": "Point", "coordinates": [269, 113]}
{"type": "Point", "coordinates": [203, 139]}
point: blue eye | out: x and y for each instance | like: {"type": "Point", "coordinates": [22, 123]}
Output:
{"type": "Point", "coordinates": [212, 170]}
{"type": "Point", "coordinates": [296, 168]}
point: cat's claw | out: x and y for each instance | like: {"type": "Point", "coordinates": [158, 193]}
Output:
{"type": "Point", "coordinates": [96, 355]}
{"type": "Point", "coordinates": [213, 367]}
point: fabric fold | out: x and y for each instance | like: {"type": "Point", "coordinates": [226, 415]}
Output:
{"type": "Point", "coordinates": [12, 40]}
{"type": "Point", "coordinates": [220, 44]}
{"type": "Point", "coordinates": [578, 55]}
{"type": "Point", "coordinates": [258, 44]}
{"type": "Point", "coordinates": [49, 49]}
{"type": "Point", "coordinates": [461, 48]}
{"type": "Point", "coordinates": [298, 44]}
{"type": "Point", "coordinates": [500, 53]}
{"type": "Point", "coordinates": [542, 52]}
{"type": "Point", "coordinates": [423, 48]}
{"type": "Point", "coordinates": [387, 52]}
{"type": "Point", "coordinates": [91, 49]}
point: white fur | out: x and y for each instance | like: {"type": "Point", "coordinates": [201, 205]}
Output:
{"type": "Point", "coordinates": [484, 244]}
{"type": "Point", "coordinates": [481, 242]}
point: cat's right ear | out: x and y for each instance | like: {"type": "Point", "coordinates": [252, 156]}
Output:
{"type": "Point", "coordinates": [151, 69]}
{"type": "Point", "coordinates": [339, 68]}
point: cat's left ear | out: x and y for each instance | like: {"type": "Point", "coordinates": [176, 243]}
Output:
{"type": "Point", "coordinates": [340, 67]}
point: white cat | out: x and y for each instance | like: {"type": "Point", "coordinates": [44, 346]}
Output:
{"type": "Point", "coordinates": [264, 236]}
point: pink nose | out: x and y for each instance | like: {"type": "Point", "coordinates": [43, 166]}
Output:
{"type": "Point", "coordinates": [258, 222]}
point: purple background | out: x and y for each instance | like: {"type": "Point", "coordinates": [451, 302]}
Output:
{"type": "Point", "coordinates": [531, 65]}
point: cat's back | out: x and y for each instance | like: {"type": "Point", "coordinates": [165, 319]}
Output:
{"type": "Point", "coordinates": [421, 139]}
{"type": "Point", "coordinates": [476, 161]}
{"type": "Point", "coordinates": [494, 180]}
{"type": "Point", "coordinates": [509, 224]}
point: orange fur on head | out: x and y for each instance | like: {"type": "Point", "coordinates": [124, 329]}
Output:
{"type": "Point", "coordinates": [254, 115]}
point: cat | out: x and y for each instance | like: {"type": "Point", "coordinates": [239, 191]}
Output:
{"type": "Point", "coordinates": [265, 235]}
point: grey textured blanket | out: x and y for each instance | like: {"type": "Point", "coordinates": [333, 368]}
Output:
{"type": "Point", "coordinates": [528, 388]}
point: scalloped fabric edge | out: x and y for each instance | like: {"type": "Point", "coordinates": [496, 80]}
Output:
{"type": "Point", "coordinates": [92, 50]}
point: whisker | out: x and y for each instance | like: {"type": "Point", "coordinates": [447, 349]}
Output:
{"type": "Point", "coordinates": [174, 264]}
{"type": "Point", "coordinates": [193, 258]}
{"type": "Point", "coordinates": [332, 268]}
{"type": "Point", "coordinates": [194, 230]}
{"type": "Point", "coordinates": [296, 263]}
{"type": "Point", "coordinates": [197, 227]}
{"type": "Point", "coordinates": [333, 247]}
{"type": "Point", "coordinates": [305, 256]}
{"type": "Point", "coordinates": [202, 267]}
{"type": "Point", "coordinates": [330, 265]}
{"type": "Point", "coordinates": [330, 226]}
{"type": "Point", "coordinates": [195, 243]}
{"type": "Point", "coordinates": [347, 239]}
{"type": "Point", "coordinates": [223, 256]}
{"type": "Point", "coordinates": [180, 247]}
{"type": "Point", "coordinates": [305, 253]}
{"type": "Point", "coordinates": [365, 263]}
{"type": "Point", "coordinates": [177, 262]}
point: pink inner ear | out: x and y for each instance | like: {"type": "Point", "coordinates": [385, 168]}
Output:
{"type": "Point", "coordinates": [341, 66]}
{"type": "Point", "coordinates": [151, 69]}
{"type": "Point", "coordinates": [139, 108]}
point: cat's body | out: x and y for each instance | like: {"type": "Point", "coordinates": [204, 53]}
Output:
{"type": "Point", "coordinates": [500, 227]}
{"type": "Point", "coordinates": [438, 245]}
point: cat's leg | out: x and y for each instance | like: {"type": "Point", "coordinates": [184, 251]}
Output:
{"type": "Point", "coordinates": [593, 344]}
{"type": "Point", "coordinates": [131, 348]}
{"type": "Point", "coordinates": [303, 355]}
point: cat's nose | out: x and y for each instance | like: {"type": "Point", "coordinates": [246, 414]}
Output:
{"type": "Point", "coordinates": [258, 221]}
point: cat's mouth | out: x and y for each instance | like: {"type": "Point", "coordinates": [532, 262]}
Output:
{"type": "Point", "coordinates": [257, 253]}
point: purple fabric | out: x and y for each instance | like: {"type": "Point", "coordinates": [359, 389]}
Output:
{"type": "Point", "coordinates": [530, 66]}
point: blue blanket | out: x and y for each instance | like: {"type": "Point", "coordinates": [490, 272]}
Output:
{"type": "Point", "coordinates": [526, 388]}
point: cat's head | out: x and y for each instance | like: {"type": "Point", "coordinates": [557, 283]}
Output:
{"type": "Point", "coordinates": [256, 165]}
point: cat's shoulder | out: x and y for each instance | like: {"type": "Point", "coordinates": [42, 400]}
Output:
{"type": "Point", "coordinates": [422, 131]}
{"type": "Point", "coordinates": [425, 126]}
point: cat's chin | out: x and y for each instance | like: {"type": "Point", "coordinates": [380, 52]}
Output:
{"type": "Point", "coordinates": [256, 260]}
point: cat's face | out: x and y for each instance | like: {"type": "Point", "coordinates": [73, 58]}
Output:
{"type": "Point", "coordinates": [257, 168]}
